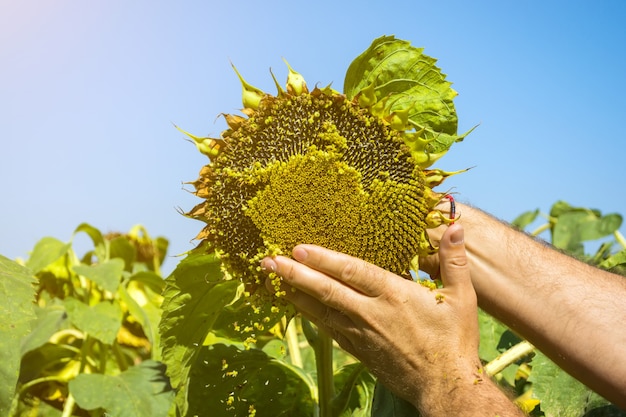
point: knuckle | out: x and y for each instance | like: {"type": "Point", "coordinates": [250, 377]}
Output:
{"type": "Point", "coordinates": [458, 261]}
{"type": "Point", "coordinates": [328, 292]}
{"type": "Point", "coordinates": [455, 258]}
{"type": "Point", "coordinates": [348, 272]}
{"type": "Point", "coordinates": [289, 274]}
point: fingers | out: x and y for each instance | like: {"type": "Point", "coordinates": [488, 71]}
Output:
{"type": "Point", "coordinates": [333, 321]}
{"type": "Point", "coordinates": [309, 305]}
{"type": "Point", "coordinates": [430, 264]}
{"type": "Point", "coordinates": [316, 289]}
{"type": "Point", "coordinates": [358, 274]}
{"type": "Point", "coordinates": [453, 258]}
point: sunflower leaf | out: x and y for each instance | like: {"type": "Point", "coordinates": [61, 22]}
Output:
{"type": "Point", "coordinates": [614, 260]}
{"type": "Point", "coordinates": [194, 296]}
{"type": "Point", "coordinates": [575, 225]}
{"type": "Point", "coordinates": [491, 331]}
{"type": "Point", "coordinates": [106, 274]}
{"type": "Point", "coordinates": [407, 79]}
{"type": "Point", "coordinates": [355, 390]}
{"type": "Point", "coordinates": [560, 393]}
{"type": "Point", "coordinates": [49, 320]}
{"type": "Point", "coordinates": [227, 381]}
{"type": "Point", "coordinates": [388, 404]}
{"type": "Point", "coordinates": [102, 320]}
{"type": "Point", "coordinates": [16, 314]}
{"type": "Point", "coordinates": [45, 252]}
{"type": "Point", "coordinates": [524, 219]}
{"type": "Point", "coordinates": [142, 390]}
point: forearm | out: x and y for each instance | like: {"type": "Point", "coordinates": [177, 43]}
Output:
{"type": "Point", "coordinates": [571, 311]}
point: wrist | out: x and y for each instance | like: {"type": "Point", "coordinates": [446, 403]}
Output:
{"type": "Point", "coordinates": [465, 390]}
{"type": "Point", "coordinates": [449, 387]}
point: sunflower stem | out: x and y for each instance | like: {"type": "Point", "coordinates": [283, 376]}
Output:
{"type": "Point", "coordinates": [68, 408]}
{"type": "Point", "coordinates": [324, 362]}
{"type": "Point", "coordinates": [540, 229]}
{"type": "Point", "coordinates": [509, 357]}
{"type": "Point", "coordinates": [620, 239]}
{"type": "Point", "coordinates": [291, 334]}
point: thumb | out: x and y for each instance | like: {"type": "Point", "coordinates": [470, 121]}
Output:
{"type": "Point", "coordinates": [453, 258]}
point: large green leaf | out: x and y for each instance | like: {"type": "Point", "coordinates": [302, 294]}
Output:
{"type": "Point", "coordinates": [574, 225]}
{"type": "Point", "coordinates": [614, 260]}
{"type": "Point", "coordinates": [98, 241]}
{"type": "Point", "coordinates": [93, 232]}
{"type": "Point", "coordinates": [102, 320]}
{"type": "Point", "coordinates": [562, 207]}
{"type": "Point", "coordinates": [560, 394]}
{"type": "Point", "coordinates": [244, 314]}
{"type": "Point", "coordinates": [151, 279]}
{"type": "Point", "coordinates": [46, 251]}
{"type": "Point", "coordinates": [50, 319]}
{"type": "Point", "coordinates": [227, 381]}
{"type": "Point", "coordinates": [140, 391]}
{"type": "Point", "coordinates": [121, 247]}
{"type": "Point", "coordinates": [107, 274]}
{"type": "Point", "coordinates": [36, 407]}
{"type": "Point", "coordinates": [47, 359]}
{"type": "Point", "coordinates": [195, 295]}
{"type": "Point", "coordinates": [525, 219]}
{"type": "Point", "coordinates": [17, 295]}
{"type": "Point", "coordinates": [393, 66]}
{"type": "Point", "coordinates": [398, 81]}
{"type": "Point", "coordinates": [139, 314]}
{"type": "Point", "coordinates": [491, 331]}
{"type": "Point", "coordinates": [355, 391]}
{"type": "Point", "coordinates": [495, 338]}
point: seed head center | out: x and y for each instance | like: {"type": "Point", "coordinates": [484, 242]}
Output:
{"type": "Point", "coordinates": [312, 198]}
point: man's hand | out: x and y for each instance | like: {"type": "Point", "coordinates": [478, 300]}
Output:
{"type": "Point", "coordinates": [421, 343]}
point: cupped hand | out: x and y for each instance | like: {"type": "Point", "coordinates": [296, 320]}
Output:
{"type": "Point", "coordinates": [418, 341]}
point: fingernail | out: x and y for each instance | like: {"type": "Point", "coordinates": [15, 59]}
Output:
{"type": "Point", "coordinates": [268, 264]}
{"type": "Point", "coordinates": [299, 254]}
{"type": "Point", "coordinates": [457, 236]}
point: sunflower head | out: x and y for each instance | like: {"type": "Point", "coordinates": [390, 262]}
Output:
{"type": "Point", "coordinates": [349, 172]}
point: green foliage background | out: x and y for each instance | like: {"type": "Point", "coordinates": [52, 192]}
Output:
{"type": "Point", "coordinates": [81, 333]}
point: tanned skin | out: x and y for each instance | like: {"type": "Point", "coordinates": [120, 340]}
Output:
{"type": "Point", "coordinates": [571, 311]}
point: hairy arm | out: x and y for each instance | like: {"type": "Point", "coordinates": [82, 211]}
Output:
{"type": "Point", "coordinates": [573, 312]}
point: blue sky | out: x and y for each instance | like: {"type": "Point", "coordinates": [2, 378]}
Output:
{"type": "Point", "coordinates": [89, 92]}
